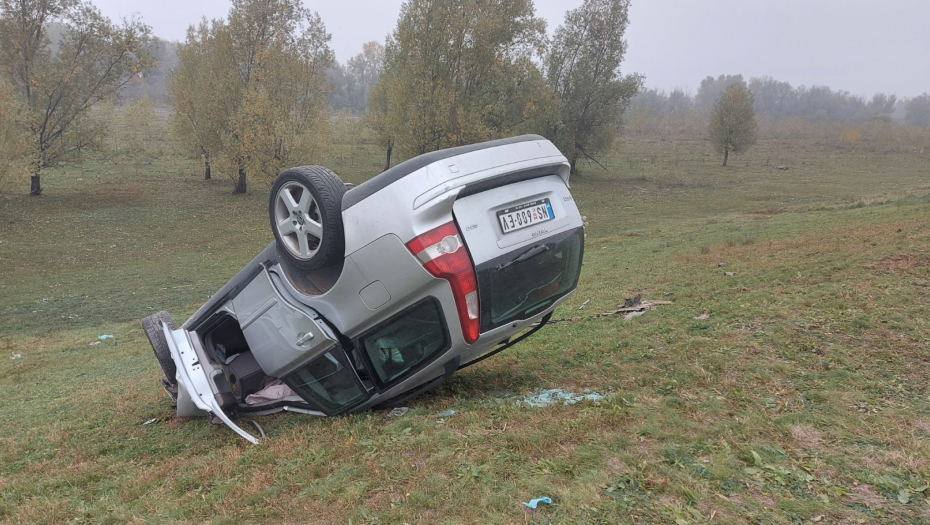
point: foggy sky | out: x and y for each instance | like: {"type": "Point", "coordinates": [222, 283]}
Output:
{"type": "Point", "coordinates": [861, 46]}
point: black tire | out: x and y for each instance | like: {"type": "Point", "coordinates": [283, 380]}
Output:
{"type": "Point", "coordinates": [305, 211]}
{"type": "Point", "coordinates": [152, 327]}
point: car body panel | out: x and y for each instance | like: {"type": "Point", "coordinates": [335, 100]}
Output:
{"type": "Point", "coordinates": [385, 260]}
{"type": "Point", "coordinates": [422, 199]}
{"type": "Point", "coordinates": [280, 335]}
{"type": "Point", "coordinates": [477, 216]}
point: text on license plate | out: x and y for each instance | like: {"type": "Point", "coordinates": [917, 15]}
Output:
{"type": "Point", "coordinates": [526, 214]}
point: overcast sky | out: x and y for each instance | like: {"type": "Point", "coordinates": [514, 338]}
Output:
{"type": "Point", "coordinates": [861, 46]}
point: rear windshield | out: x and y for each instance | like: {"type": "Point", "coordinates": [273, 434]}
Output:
{"type": "Point", "coordinates": [527, 281]}
{"type": "Point", "coordinates": [405, 342]}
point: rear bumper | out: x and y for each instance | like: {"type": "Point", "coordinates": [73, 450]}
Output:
{"type": "Point", "coordinates": [193, 379]}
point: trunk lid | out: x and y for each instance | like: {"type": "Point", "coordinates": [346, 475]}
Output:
{"type": "Point", "coordinates": [526, 241]}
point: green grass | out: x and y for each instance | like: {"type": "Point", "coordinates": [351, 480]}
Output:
{"type": "Point", "coordinates": [803, 394]}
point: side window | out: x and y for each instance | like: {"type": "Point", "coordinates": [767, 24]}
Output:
{"type": "Point", "coordinates": [399, 345]}
{"type": "Point", "coordinates": [328, 382]}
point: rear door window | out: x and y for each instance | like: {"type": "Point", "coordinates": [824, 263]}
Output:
{"type": "Point", "coordinates": [405, 342]}
{"type": "Point", "coordinates": [328, 382]}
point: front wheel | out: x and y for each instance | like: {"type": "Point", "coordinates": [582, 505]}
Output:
{"type": "Point", "coordinates": [305, 210]}
{"type": "Point", "coordinates": [153, 330]}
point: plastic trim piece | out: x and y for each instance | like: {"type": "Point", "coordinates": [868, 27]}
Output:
{"type": "Point", "coordinates": [508, 344]}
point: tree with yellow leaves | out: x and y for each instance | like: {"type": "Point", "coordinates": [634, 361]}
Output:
{"type": "Point", "coordinates": [457, 72]}
{"type": "Point", "coordinates": [733, 122]}
{"type": "Point", "coordinates": [58, 83]}
{"type": "Point", "coordinates": [13, 142]}
{"type": "Point", "coordinates": [250, 92]}
{"type": "Point", "coordinates": [203, 89]}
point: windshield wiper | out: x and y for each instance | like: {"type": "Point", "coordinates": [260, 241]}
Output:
{"type": "Point", "coordinates": [532, 252]}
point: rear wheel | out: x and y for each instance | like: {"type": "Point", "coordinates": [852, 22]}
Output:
{"type": "Point", "coordinates": [305, 210]}
{"type": "Point", "coordinates": [153, 330]}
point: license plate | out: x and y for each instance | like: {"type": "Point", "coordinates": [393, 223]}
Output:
{"type": "Point", "coordinates": [525, 215]}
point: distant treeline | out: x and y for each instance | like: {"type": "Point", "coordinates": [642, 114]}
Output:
{"type": "Point", "coordinates": [779, 100]}
{"type": "Point", "coordinates": [352, 82]}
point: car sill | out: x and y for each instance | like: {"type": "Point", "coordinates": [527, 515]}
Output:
{"type": "Point", "coordinates": [192, 378]}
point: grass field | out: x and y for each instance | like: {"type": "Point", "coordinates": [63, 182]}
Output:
{"type": "Point", "coordinates": [801, 396]}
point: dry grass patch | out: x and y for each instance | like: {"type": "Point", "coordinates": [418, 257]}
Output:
{"type": "Point", "coordinates": [864, 494]}
{"type": "Point", "coordinates": [902, 263]}
{"type": "Point", "coordinates": [807, 437]}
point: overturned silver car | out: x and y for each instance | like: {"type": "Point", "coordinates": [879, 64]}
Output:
{"type": "Point", "coordinates": [372, 295]}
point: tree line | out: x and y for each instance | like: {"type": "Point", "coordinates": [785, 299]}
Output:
{"type": "Point", "coordinates": [779, 100]}
{"type": "Point", "coordinates": [252, 93]}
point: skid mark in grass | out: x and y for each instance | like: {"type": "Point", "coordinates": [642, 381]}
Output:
{"type": "Point", "coordinates": [767, 212]}
{"type": "Point", "coordinates": [907, 263]}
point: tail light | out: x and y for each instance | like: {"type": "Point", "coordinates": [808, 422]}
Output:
{"type": "Point", "coordinates": [444, 256]}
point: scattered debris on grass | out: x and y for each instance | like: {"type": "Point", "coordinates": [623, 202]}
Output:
{"type": "Point", "coordinates": [783, 168]}
{"type": "Point", "coordinates": [703, 317]}
{"type": "Point", "coordinates": [104, 337]}
{"type": "Point", "coordinates": [16, 356]}
{"type": "Point", "coordinates": [398, 412]}
{"type": "Point", "coordinates": [149, 422]}
{"type": "Point", "coordinates": [536, 501]}
{"type": "Point", "coordinates": [554, 396]}
{"type": "Point", "coordinates": [550, 397]}
{"type": "Point", "coordinates": [584, 304]}
{"type": "Point", "coordinates": [95, 343]}
{"type": "Point", "coordinates": [443, 415]}
{"type": "Point", "coordinates": [721, 264]}
{"type": "Point", "coordinates": [729, 274]}
{"type": "Point", "coordinates": [633, 307]}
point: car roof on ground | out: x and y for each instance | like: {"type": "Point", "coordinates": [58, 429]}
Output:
{"type": "Point", "coordinates": [386, 178]}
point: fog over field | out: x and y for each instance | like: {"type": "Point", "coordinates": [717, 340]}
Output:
{"type": "Point", "coordinates": [860, 46]}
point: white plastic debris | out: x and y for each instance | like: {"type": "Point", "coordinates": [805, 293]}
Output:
{"type": "Point", "coordinates": [397, 412]}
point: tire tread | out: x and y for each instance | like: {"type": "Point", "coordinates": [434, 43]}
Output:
{"type": "Point", "coordinates": [330, 190]}
{"type": "Point", "coordinates": [153, 331]}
